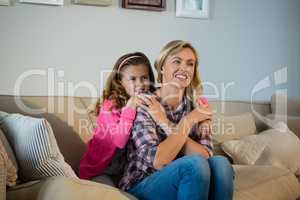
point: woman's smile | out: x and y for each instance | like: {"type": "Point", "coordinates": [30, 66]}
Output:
{"type": "Point", "coordinates": [182, 76]}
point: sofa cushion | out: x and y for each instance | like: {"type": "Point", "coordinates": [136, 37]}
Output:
{"type": "Point", "coordinates": [104, 179]}
{"type": "Point", "coordinates": [293, 122]}
{"type": "Point", "coordinates": [283, 149]}
{"type": "Point", "coordinates": [2, 177]}
{"type": "Point", "coordinates": [231, 127]}
{"type": "Point", "coordinates": [9, 159]}
{"type": "Point", "coordinates": [62, 188]}
{"type": "Point", "coordinates": [35, 147]}
{"type": "Point", "coordinates": [245, 151]}
{"type": "Point", "coordinates": [279, 147]}
{"type": "Point", "coordinates": [264, 183]}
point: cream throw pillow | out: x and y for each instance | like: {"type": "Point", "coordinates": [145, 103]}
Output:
{"type": "Point", "coordinates": [232, 127]}
{"type": "Point", "coordinates": [278, 147]}
{"type": "Point", "coordinates": [245, 151]}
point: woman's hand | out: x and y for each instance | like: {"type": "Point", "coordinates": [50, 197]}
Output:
{"type": "Point", "coordinates": [153, 107]}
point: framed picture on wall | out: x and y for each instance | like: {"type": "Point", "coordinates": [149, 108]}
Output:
{"type": "Point", "coordinates": [49, 2]}
{"type": "Point", "coordinates": [94, 2]}
{"type": "Point", "coordinates": [156, 5]}
{"type": "Point", "coordinates": [192, 8]}
{"type": "Point", "coordinates": [4, 2]}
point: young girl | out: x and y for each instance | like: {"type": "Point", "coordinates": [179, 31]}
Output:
{"type": "Point", "coordinates": [131, 75]}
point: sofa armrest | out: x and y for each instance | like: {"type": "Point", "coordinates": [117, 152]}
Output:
{"type": "Point", "coordinates": [293, 122]}
{"type": "Point", "coordinates": [2, 177]}
{"type": "Point", "coordinates": [282, 105]}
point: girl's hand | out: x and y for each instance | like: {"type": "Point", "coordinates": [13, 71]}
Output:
{"type": "Point", "coordinates": [200, 99]}
{"type": "Point", "coordinates": [203, 111]}
{"type": "Point", "coordinates": [153, 107]}
{"type": "Point", "coordinates": [132, 102]}
{"type": "Point", "coordinates": [205, 128]}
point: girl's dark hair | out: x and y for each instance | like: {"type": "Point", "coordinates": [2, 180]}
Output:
{"type": "Point", "coordinates": [113, 89]}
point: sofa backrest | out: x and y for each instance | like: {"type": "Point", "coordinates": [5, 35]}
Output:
{"type": "Point", "coordinates": [233, 108]}
{"type": "Point", "coordinates": [73, 126]}
{"type": "Point", "coordinates": [67, 115]}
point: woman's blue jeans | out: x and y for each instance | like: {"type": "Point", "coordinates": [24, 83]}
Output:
{"type": "Point", "coordinates": [190, 177]}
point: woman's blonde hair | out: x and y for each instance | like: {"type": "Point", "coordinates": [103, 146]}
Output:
{"type": "Point", "coordinates": [113, 89]}
{"type": "Point", "coordinates": [170, 49]}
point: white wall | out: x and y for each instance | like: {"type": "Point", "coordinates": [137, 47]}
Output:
{"type": "Point", "coordinates": [243, 42]}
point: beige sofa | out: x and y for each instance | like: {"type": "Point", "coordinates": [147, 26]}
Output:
{"type": "Point", "coordinates": [73, 127]}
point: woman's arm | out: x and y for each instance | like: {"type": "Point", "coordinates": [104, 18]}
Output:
{"type": "Point", "coordinates": [203, 144]}
{"type": "Point", "coordinates": [147, 141]}
{"type": "Point", "coordinates": [192, 147]}
{"type": "Point", "coordinates": [168, 149]}
{"type": "Point", "coordinates": [172, 145]}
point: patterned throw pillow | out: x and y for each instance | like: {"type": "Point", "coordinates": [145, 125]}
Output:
{"type": "Point", "coordinates": [35, 147]}
{"type": "Point", "coordinates": [11, 167]}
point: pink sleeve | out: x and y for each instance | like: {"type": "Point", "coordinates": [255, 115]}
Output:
{"type": "Point", "coordinates": [116, 124]}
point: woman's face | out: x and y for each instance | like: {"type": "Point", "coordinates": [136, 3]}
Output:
{"type": "Point", "coordinates": [135, 79]}
{"type": "Point", "coordinates": [179, 68]}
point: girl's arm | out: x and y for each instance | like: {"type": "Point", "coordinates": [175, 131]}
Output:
{"type": "Point", "coordinates": [116, 125]}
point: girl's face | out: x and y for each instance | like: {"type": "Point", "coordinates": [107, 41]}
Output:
{"type": "Point", "coordinates": [135, 79]}
{"type": "Point", "coordinates": [179, 68]}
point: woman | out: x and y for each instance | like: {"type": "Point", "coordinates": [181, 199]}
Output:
{"type": "Point", "coordinates": [174, 159]}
